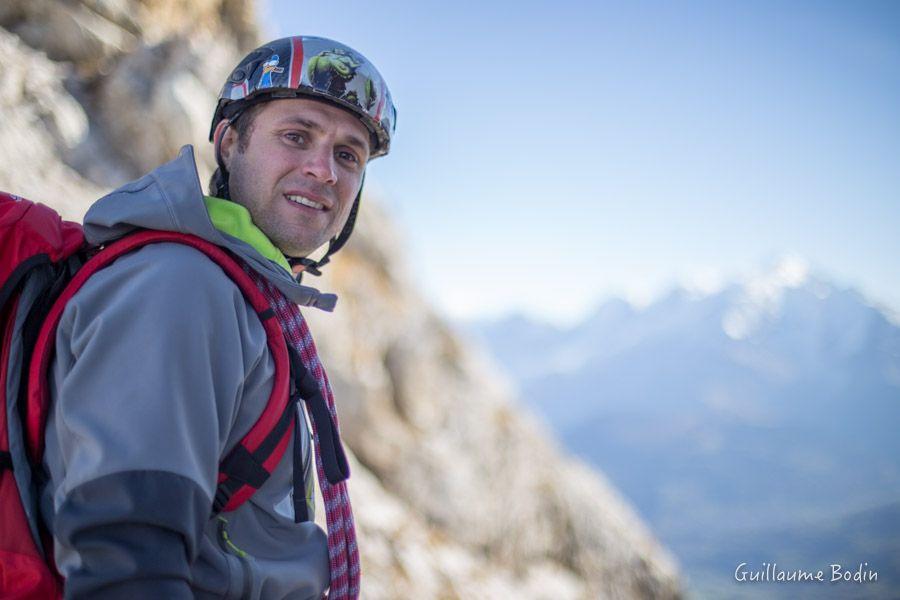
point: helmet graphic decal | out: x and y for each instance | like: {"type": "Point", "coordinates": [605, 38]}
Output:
{"type": "Point", "coordinates": [269, 67]}
{"type": "Point", "coordinates": [238, 90]}
{"type": "Point", "coordinates": [296, 63]}
{"type": "Point", "coordinates": [337, 71]}
{"type": "Point", "coordinates": [331, 70]}
{"type": "Point", "coordinates": [382, 95]}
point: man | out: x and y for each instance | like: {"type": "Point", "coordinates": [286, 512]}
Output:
{"type": "Point", "coordinates": [162, 367]}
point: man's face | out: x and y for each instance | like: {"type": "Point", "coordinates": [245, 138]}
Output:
{"type": "Point", "coordinates": [299, 171]}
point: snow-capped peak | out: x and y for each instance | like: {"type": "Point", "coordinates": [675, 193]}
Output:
{"type": "Point", "coordinates": [762, 296]}
{"type": "Point", "coordinates": [791, 271]}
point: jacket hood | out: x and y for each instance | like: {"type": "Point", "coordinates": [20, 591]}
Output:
{"type": "Point", "coordinates": [169, 198]}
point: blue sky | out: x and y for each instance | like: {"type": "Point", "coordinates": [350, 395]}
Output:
{"type": "Point", "coordinates": [550, 154]}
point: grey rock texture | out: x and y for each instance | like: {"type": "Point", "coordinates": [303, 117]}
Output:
{"type": "Point", "coordinates": [41, 123]}
{"type": "Point", "coordinates": [458, 493]}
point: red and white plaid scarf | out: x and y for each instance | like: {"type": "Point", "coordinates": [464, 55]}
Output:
{"type": "Point", "coordinates": [343, 554]}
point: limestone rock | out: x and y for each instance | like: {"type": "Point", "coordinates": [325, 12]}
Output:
{"type": "Point", "coordinates": [404, 557]}
{"type": "Point", "coordinates": [93, 34]}
{"type": "Point", "coordinates": [41, 124]}
{"type": "Point", "coordinates": [156, 85]}
{"type": "Point", "coordinates": [71, 32]}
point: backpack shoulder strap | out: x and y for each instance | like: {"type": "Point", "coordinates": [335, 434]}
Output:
{"type": "Point", "coordinates": [251, 462]}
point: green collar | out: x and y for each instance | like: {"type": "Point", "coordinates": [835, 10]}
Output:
{"type": "Point", "coordinates": [234, 219]}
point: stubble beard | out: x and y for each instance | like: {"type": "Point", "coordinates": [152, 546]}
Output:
{"type": "Point", "coordinates": [265, 217]}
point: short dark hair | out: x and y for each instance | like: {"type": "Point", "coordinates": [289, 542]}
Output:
{"type": "Point", "coordinates": [243, 126]}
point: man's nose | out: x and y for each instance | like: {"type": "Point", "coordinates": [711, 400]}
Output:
{"type": "Point", "coordinates": [320, 165]}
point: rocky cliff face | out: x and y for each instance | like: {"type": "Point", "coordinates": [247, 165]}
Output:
{"type": "Point", "coordinates": [458, 493]}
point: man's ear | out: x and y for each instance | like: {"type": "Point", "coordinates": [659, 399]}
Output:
{"type": "Point", "coordinates": [225, 140]}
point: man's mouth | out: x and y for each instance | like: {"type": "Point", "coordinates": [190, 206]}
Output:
{"type": "Point", "coordinates": [303, 200]}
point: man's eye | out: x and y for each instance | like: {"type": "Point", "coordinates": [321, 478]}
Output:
{"type": "Point", "coordinates": [296, 138]}
{"type": "Point", "coordinates": [347, 156]}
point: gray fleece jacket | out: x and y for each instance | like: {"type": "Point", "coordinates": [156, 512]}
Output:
{"type": "Point", "coordinates": [161, 368]}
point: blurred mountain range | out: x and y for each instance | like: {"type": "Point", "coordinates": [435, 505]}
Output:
{"type": "Point", "coordinates": [747, 424]}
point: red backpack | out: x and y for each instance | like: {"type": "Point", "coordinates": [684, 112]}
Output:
{"type": "Point", "coordinates": [44, 261]}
